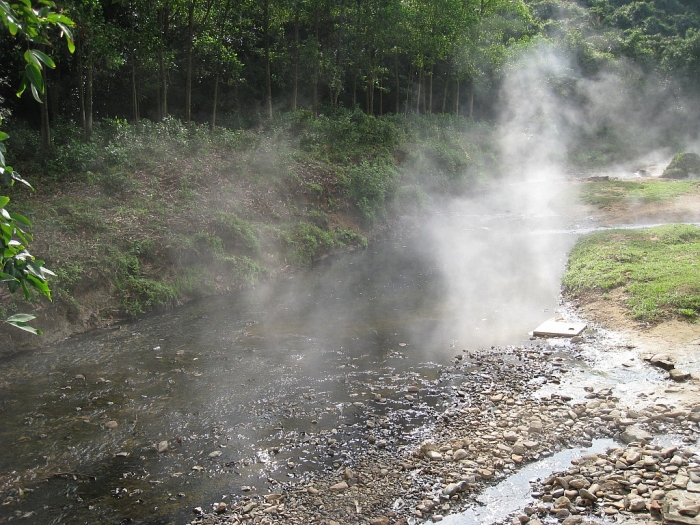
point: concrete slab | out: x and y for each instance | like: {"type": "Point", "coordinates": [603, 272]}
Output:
{"type": "Point", "coordinates": [553, 328]}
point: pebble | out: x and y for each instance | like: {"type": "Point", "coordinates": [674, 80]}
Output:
{"type": "Point", "coordinates": [481, 436]}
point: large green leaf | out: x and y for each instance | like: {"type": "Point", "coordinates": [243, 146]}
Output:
{"type": "Point", "coordinates": [43, 57]}
{"type": "Point", "coordinates": [20, 321]}
{"type": "Point", "coordinates": [22, 318]}
{"type": "Point", "coordinates": [34, 76]}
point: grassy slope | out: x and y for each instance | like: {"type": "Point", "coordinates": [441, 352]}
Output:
{"type": "Point", "coordinates": [154, 216]}
{"type": "Point", "coordinates": [657, 269]}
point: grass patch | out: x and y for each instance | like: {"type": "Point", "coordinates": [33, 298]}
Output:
{"type": "Point", "coordinates": [609, 193]}
{"type": "Point", "coordinates": [657, 269]}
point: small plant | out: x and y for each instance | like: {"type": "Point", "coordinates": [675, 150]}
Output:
{"type": "Point", "coordinates": [371, 185]}
{"type": "Point", "coordinates": [235, 233]}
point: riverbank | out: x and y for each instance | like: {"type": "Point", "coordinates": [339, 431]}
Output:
{"type": "Point", "coordinates": [154, 215]}
{"type": "Point", "coordinates": [488, 433]}
{"type": "Point", "coordinates": [508, 407]}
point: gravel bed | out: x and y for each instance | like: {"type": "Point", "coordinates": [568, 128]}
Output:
{"type": "Point", "coordinates": [493, 424]}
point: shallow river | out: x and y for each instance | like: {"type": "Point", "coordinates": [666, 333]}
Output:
{"type": "Point", "coordinates": [235, 385]}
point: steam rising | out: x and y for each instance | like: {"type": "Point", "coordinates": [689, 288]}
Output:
{"type": "Point", "coordinates": [499, 251]}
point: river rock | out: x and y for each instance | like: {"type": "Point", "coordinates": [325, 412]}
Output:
{"type": "Point", "coordinates": [433, 455]}
{"type": "Point", "coordinates": [635, 433]}
{"type": "Point", "coordinates": [459, 454]}
{"type": "Point", "coordinates": [162, 446]}
{"type": "Point", "coordinates": [339, 487]}
{"type": "Point", "coordinates": [662, 361]}
{"type": "Point", "coordinates": [586, 494]}
{"type": "Point", "coordinates": [221, 508]}
{"type": "Point", "coordinates": [111, 425]}
{"type": "Point", "coordinates": [510, 436]}
{"type": "Point", "coordinates": [636, 504]}
{"type": "Point", "coordinates": [679, 375]}
{"type": "Point", "coordinates": [451, 489]}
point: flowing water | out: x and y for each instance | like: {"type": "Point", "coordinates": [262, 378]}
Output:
{"type": "Point", "coordinates": [238, 385]}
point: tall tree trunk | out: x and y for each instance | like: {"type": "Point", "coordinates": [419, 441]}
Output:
{"type": "Point", "coordinates": [447, 83]}
{"type": "Point", "coordinates": [314, 79]}
{"type": "Point", "coordinates": [87, 130]}
{"type": "Point", "coordinates": [53, 77]}
{"type": "Point", "coordinates": [430, 96]}
{"type": "Point", "coordinates": [418, 93]}
{"type": "Point", "coordinates": [188, 75]}
{"type": "Point", "coordinates": [162, 70]}
{"type": "Point", "coordinates": [457, 100]}
{"type": "Point", "coordinates": [268, 78]}
{"type": "Point", "coordinates": [81, 81]}
{"type": "Point", "coordinates": [295, 90]}
{"type": "Point", "coordinates": [354, 89]}
{"type": "Point", "coordinates": [408, 90]}
{"type": "Point", "coordinates": [398, 84]}
{"type": "Point", "coordinates": [45, 126]}
{"type": "Point", "coordinates": [135, 114]}
{"type": "Point", "coordinates": [216, 101]}
{"type": "Point", "coordinates": [162, 88]}
{"type": "Point", "coordinates": [368, 95]}
{"type": "Point", "coordinates": [470, 100]}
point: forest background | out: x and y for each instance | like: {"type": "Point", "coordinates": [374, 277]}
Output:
{"type": "Point", "coordinates": [189, 148]}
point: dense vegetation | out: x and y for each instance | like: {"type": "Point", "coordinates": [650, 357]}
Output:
{"type": "Point", "coordinates": [268, 134]}
{"type": "Point", "coordinates": [219, 62]}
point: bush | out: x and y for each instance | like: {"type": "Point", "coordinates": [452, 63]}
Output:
{"type": "Point", "coordinates": [682, 166]}
{"type": "Point", "coordinates": [371, 186]}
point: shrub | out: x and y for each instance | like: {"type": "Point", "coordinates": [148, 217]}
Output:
{"type": "Point", "coordinates": [370, 186]}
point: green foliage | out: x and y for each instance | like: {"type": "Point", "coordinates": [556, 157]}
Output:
{"type": "Point", "coordinates": [683, 165]}
{"type": "Point", "coordinates": [608, 193]}
{"type": "Point", "coordinates": [347, 136]}
{"type": "Point", "coordinates": [656, 269]}
{"type": "Point", "coordinates": [18, 268]}
{"type": "Point", "coordinates": [303, 243]}
{"type": "Point", "coordinates": [371, 185]}
{"type": "Point", "coordinates": [235, 233]}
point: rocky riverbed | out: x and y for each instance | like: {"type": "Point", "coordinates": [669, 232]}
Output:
{"type": "Point", "coordinates": [506, 407]}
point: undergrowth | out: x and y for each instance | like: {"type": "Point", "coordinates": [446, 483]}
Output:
{"type": "Point", "coordinates": [657, 269]}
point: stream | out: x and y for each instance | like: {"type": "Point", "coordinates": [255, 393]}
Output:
{"type": "Point", "coordinates": [232, 388]}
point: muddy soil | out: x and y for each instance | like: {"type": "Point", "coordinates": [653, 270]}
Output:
{"type": "Point", "coordinates": [540, 405]}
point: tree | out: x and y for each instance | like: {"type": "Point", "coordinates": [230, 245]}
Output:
{"type": "Point", "coordinates": [18, 268]}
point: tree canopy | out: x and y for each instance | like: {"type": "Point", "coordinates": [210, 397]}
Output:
{"type": "Point", "coordinates": [233, 64]}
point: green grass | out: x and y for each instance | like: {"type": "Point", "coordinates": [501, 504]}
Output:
{"type": "Point", "coordinates": [608, 193]}
{"type": "Point", "coordinates": [657, 270]}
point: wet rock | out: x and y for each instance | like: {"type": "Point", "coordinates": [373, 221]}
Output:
{"type": "Point", "coordinates": [635, 434]}
{"type": "Point", "coordinates": [679, 375]}
{"type": "Point", "coordinates": [162, 446]}
{"type": "Point", "coordinates": [662, 361]}
{"type": "Point", "coordinates": [221, 508]}
{"type": "Point", "coordinates": [111, 425]}
{"type": "Point", "coordinates": [636, 504]}
{"type": "Point", "coordinates": [339, 487]}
